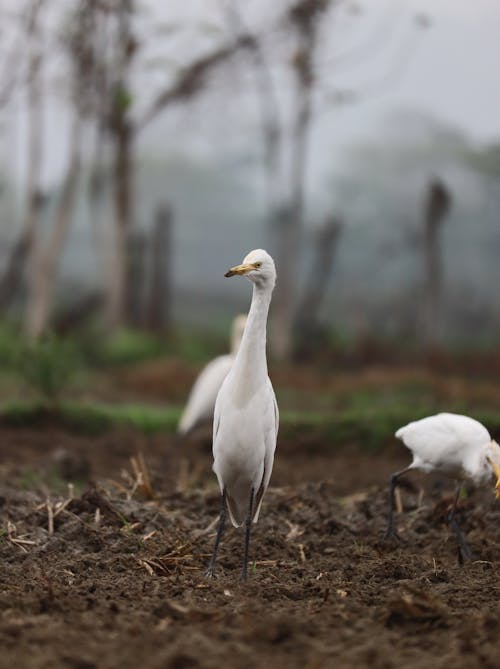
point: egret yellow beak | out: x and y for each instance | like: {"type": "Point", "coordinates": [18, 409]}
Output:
{"type": "Point", "coordinates": [496, 471]}
{"type": "Point", "coordinates": [239, 270]}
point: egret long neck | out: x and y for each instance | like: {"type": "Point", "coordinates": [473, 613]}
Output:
{"type": "Point", "coordinates": [250, 363]}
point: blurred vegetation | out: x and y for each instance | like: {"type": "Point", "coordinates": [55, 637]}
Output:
{"type": "Point", "coordinates": [51, 380]}
{"type": "Point", "coordinates": [370, 429]}
{"type": "Point", "coordinates": [91, 418]}
{"type": "Point", "coordinates": [48, 366]}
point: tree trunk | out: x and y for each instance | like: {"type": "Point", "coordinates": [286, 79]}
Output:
{"type": "Point", "coordinates": [136, 266]}
{"type": "Point", "coordinates": [119, 276]}
{"type": "Point", "coordinates": [307, 326]}
{"type": "Point", "coordinates": [436, 208]}
{"type": "Point", "coordinates": [123, 134]}
{"type": "Point", "coordinates": [11, 284]}
{"type": "Point", "coordinates": [46, 259]}
{"type": "Point", "coordinates": [159, 297]}
{"type": "Point", "coordinates": [288, 226]}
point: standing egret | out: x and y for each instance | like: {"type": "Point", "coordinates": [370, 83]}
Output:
{"type": "Point", "coordinates": [200, 406]}
{"type": "Point", "coordinates": [246, 413]}
{"type": "Point", "coordinates": [456, 445]}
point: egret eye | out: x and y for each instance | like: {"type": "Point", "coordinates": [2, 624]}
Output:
{"type": "Point", "coordinates": [257, 265]}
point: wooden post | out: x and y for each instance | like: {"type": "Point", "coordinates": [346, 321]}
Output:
{"type": "Point", "coordinates": [307, 327]}
{"type": "Point", "coordinates": [136, 272]}
{"type": "Point", "coordinates": [159, 295]}
{"type": "Point", "coordinates": [437, 205]}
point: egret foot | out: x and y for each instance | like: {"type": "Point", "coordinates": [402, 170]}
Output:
{"type": "Point", "coordinates": [210, 572]}
{"type": "Point", "coordinates": [391, 533]}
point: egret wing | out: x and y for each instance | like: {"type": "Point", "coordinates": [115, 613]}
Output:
{"type": "Point", "coordinates": [270, 436]}
{"type": "Point", "coordinates": [201, 400]}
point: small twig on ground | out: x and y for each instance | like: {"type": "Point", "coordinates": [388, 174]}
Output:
{"type": "Point", "coordinates": [142, 481]}
{"type": "Point", "coordinates": [210, 528]}
{"type": "Point", "coordinates": [50, 517]}
{"type": "Point", "coordinates": [17, 541]}
{"type": "Point", "coordinates": [294, 531]}
{"type": "Point", "coordinates": [61, 506]}
{"type": "Point", "coordinates": [188, 475]}
{"type": "Point", "coordinates": [118, 486]}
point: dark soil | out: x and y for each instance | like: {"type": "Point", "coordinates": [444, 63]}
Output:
{"type": "Point", "coordinates": [120, 582]}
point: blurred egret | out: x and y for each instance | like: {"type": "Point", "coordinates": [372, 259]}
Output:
{"type": "Point", "coordinates": [246, 413]}
{"type": "Point", "coordinates": [200, 406]}
{"type": "Point", "coordinates": [457, 446]}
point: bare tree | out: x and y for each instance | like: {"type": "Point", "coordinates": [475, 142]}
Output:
{"type": "Point", "coordinates": [302, 27]}
{"type": "Point", "coordinates": [123, 131]}
{"type": "Point", "coordinates": [47, 255]}
{"type": "Point", "coordinates": [122, 136]}
{"type": "Point", "coordinates": [11, 281]}
{"type": "Point", "coordinates": [304, 17]}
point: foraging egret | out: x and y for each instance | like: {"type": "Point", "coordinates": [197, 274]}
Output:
{"type": "Point", "coordinates": [201, 401]}
{"type": "Point", "coordinates": [246, 413]}
{"type": "Point", "coordinates": [456, 445]}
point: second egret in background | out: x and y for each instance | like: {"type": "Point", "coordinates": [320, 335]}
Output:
{"type": "Point", "coordinates": [200, 406]}
{"type": "Point", "coordinates": [456, 445]}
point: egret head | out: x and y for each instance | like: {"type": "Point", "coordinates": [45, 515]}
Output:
{"type": "Point", "coordinates": [258, 266]}
{"type": "Point", "coordinates": [493, 459]}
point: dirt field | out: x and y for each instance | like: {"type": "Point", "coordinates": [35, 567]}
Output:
{"type": "Point", "coordinates": [119, 582]}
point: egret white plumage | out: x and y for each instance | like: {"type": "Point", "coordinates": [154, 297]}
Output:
{"type": "Point", "coordinates": [200, 405]}
{"type": "Point", "coordinates": [457, 446]}
{"type": "Point", "coordinates": [246, 414]}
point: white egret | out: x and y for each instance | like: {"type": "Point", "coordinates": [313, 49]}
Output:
{"type": "Point", "coordinates": [200, 406]}
{"type": "Point", "coordinates": [457, 446]}
{"type": "Point", "coordinates": [246, 413]}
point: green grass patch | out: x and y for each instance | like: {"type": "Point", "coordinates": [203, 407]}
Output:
{"type": "Point", "coordinates": [129, 347]}
{"type": "Point", "coordinates": [91, 418]}
{"type": "Point", "coordinates": [371, 429]}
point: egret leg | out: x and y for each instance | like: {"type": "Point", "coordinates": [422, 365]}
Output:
{"type": "Point", "coordinates": [465, 552]}
{"type": "Point", "coordinates": [248, 525]}
{"type": "Point", "coordinates": [210, 573]}
{"type": "Point", "coordinates": [390, 531]}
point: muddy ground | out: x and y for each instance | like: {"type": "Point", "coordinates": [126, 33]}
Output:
{"type": "Point", "coordinates": [119, 581]}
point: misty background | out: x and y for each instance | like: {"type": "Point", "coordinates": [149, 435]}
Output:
{"type": "Point", "coordinates": [356, 141]}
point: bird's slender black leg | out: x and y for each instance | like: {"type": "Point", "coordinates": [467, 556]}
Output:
{"type": "Point", "coordinates": [248, 525]}
{"type": "Point", "coordinates": [465, 552]}
{"type": "Point", "coordinates": [210, 573]}
{"type": "Point", "coordinates": [390, 531]}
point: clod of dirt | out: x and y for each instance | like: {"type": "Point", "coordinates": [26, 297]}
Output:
{"type": "Point", "coordinates": [71, 465]}
{"type": "Point", "coordinates": [412, 605]}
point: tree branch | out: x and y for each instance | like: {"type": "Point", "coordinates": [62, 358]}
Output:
{"type": "Point", "coordinates": [193, 78]}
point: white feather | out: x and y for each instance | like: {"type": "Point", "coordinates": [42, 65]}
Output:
{"type": "Point", "coordinates": [246, 413]}
{"type": "Point", "coordinates": [200, 405]}
{"type": "Point", "coordinates": [454, 444]}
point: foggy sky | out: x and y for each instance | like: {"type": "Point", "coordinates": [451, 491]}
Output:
{"type": "Point", "coordinates": [452, 74]}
